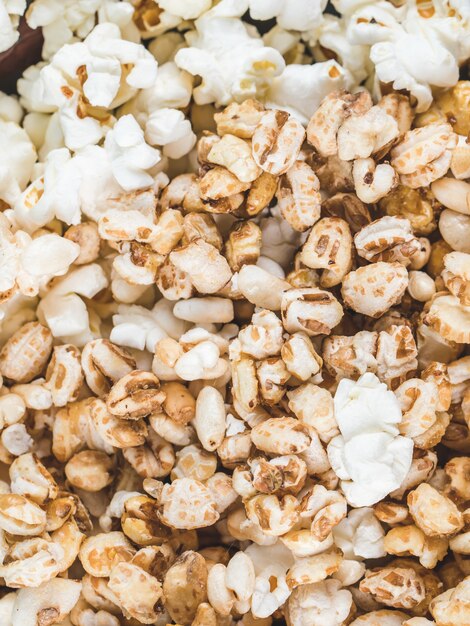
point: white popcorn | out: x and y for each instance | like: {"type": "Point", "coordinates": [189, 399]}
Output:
{"type": "Point", "coordinates": [186, 9]}
{"type": "Point", "coordinates": [360, 535]}
{"type": "Point", "coordinates": [10, 109]}
{"type": "Point", "coordinates": [319, 604]}
{"type": "Point", "coordinates": [290, 14]}
{"type": "Point", "coordinates": [65, 312]}
{"type": "Point", "coordinates": [369, 456]}
{"type": "Point", "coordinates": [62, 20]}
{"type": "Point", "coordinates": [271, 564]}
{"type": "Point", "coordinates": [71, 186]}
{"type": "Point", "coordinates": [411, 51]}
{"type": "Point", "coordinates": [141, 328]}
{"type": "Point", "coordinates": [16, 161]}
{"type": "Point", "coordinates": [10, 12]}
{"type": "Point", "coordinates": [300, 88]}
{"type": "Point", "coordinates": [129, 155]}
{"type": "Point", "coordinates": [27, 264]}
{"type": "Point", "coordinates": [231, 60]}
{"type": "Point", "coordinates": [170, 128]}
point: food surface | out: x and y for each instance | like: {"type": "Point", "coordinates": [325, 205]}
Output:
{"type": "Point", "coordinates": [235, 314]}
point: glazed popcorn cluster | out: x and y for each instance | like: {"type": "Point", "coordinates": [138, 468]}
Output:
{"type": "Point", "coordinates": [235, 315]}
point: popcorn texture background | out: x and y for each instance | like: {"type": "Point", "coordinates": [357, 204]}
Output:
{"type": "Point", "coordinates": [235, 313]}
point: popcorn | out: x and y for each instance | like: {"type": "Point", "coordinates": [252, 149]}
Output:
{"type": "Point", "coordinates": [65, 313]}
{"type": "Point", "coordinates": [10, 12]}
{"type": "Point", "coordinates": [16, 163]}
{"type": "Point", "coordinates": [129, 155]}
{"type": "Point", "coordinates": [233, 64]}
{"type": "Point", "coordinates": [61, 22]}
{"type": "Point", "coordinates": [296, 15]}
{"type": "Point", "coordinates": [368, 440]}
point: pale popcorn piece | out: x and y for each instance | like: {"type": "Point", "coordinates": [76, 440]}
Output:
{"type": "Point", "coordinates": [420, 148]}
{"type": "Point", "coordinates": [329, 247]}
{"type": "Point", "coordinates": [21, 517]}
{"type": "Point", "coordinates": [394, 586]}
{"type": "Point", "coordinates": [361, 136]}
{"type": "Point", "coordinates": [210, 418]}
{"type": "Point", "coordinates": [263, 337]}
{"type": "Point", "coordinates": [360, 535]}
{"type": "Point", "coordinates": [300, 358]}
{"type": "Point", "coordinates": [170, 128]}
{"type": "Point", "coordinates": [64, 376]}
{"type": "Point", "coordinates": [154, 459]}
{"type": "Point", "coordinates": [350, 357]}
{"type": "Point", "coordinates": [319, 604]}
{"type": "Point", "coordinates": [371, 181]}
{"type": "Point", "coordinates": [311, 310]}
{"type": "Point", "coordinates": [277, 141]}
{"type": "Point", "coordinates": [336, 107]}
{"type": "Point", "coordinates": [90, 470]}
{"type": "Point", "coordinates": [418, 400]}
{"type": "Point", "coordinates": [103, 364]}
{"type": "Point", "coordinates": [434, 512]}
{"type": "Point", "coordinates": [372, 436]}
{"type": "Point", "coordinates": [136, 590]}
{"type": "Point", "coordinates": [451, 607]}
{"type": "Point", "coordinates": [232, 62]}
{"type": "Point", "coordinates": [26, 353]}
{"type": "Point", "coordinates": [241, 119]}
{"type": "Point", "coordinates": [375, 288]}
{"type": "Point", "coordinates": [18, 158]}
{"type": "Point", "coordinates": [261, 287]}
{"type": "Point", "coordinates": [129, 155]}
{"type": "Point", "coordinates": [456, 275]}
{"type": "Point", "coordinates": [298, 196]}
{"type": "Point", "coordinates": [86, 236]}
{"type": "Point", "coordinates": [382, 617]}
{"type": "Point", "coordinates": [188, 504]}
{"type": "Point", "coordinates": [449, 318]}
{"type": "Point", "coordinates": [207, 268]}
{"type": "Point", "coordinates": [410, 540]}
{"type": "Point", "coordinates": [387, 239]}
{"type": "Point", "coordinates": [283, 435]}
{"type": "Point", "coordinates": [314, 406]}
{"type": "Point", "coordinates": [116, 432]}
{"type": "Point", "coordinates": [56, 597]}
{"type": "Point", "coordinates": [453, 194]}
{"type": "Point", "coordinates": [100, 553]}
{"type": "Point", "coordinates": [32, 562]}
{"type": "Point", "coordinates": [235, 154]}
{"type": "Point", "coordinates": [300, 88]}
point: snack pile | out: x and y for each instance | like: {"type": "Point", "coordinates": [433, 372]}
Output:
{"type": "Point", "coordinates": [235, 314]}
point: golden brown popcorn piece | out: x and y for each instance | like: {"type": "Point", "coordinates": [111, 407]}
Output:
{"type": "Point", "coordinates": [135, 395]}
{"type": "Point", "coordinates": [434, 512]}
{"type": "Point", "coordinates": [458, 471]}
{"type": "Point", "coordinates": [90, 470]}
{"type": "Point", "coordinates": [375, 288]}
{"type": "Point", "coordinates": [298, 196]}
{"type": "Point", "coordinates": [451, 106]}
{"type": "Point", "coordinates": [19, 516]}
{"type": "Point", "coordinates": [452, 608]}
{"type": "Point", "coordinates": [329, 247]}
{"type": "Point", "coordinates": [219, 183]}
{"type": "Point", "coordinates": [64, 375]}
{"type": "Point", "coordinates": [387, 239]}
{"type": "Point", "coordinates": [243, 246]}
{"type": "Point", "coordinates": [87, 237]}
{"type": "Point", "coordinates": [26, 353]}
{"type": "Point", "coordinates": [104, 363]}
{"type": "Point", "coordinates": [456, 275]}
{"type": "Point", "coordinates": [275, 515]}
{"type": "Point", "coordinates": [154, 459]}
{"type": "Point", "coordinates": [449, 318]}
{"type": "Point", "coordinates": [136, 590]}
{"type": "Point", "coordinates": [235, 154]}
{"type": "Point", "coordinates": [261, 193]}
{"type": "Point", "coordinates": [241, 119]}
{"type": "Point", "coordinates": [281, 435]}
{"type": "Point", "coordinates": [101, 552]}
{"type": "Point", "coordinates": [119, 433]}
{"type": "Point", "coordinates": [187, 504]}
{"type": "Point", "coordinates": [185, 586]}
{"type": "Point", "coordinates": [410, 540]}
{"type": "Point", "coordinates": [401, 588]}
{"type": "Point", "coordinates": [334, 109]}
{"type": "Point", "coordinates": [371, 181]}
{"type": "Point", "coordinates": [277, 141]}
{"type": "Point", "coordinates": [417, 205]}
{"type": "Point", "coordinates": [348, 207]}
{"type": "Point", "coordinates": [424, 154]}
{"type": "Point", "coordinates": [313, 311]}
